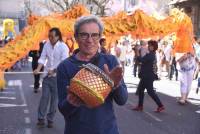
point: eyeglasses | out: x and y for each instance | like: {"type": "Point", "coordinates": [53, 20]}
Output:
{"type": "Point", "coordinates": [84, 36]}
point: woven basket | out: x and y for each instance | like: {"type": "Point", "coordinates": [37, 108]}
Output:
{"type": "Point", "coordinates": [92, 85]}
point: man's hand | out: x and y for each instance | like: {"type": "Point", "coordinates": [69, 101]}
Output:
{"type": "Point", "coordinates": [74, 99]}
{"type": "Point", "coordinates": [36, 71]}
{"type": "Point", "coordinates": [50, 72]}
{"type": "Point", "coordinates": [116, 74]}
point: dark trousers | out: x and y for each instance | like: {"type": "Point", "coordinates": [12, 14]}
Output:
{"type": "Point", "coordinates": [136, 68]}
{"type": "Point", "coordinates": [36, 77]}
{"type": "Point", "coordinates": [147, 84]}
{"type": "Point", "coordinates": [36, 81]}
{"type": "Point", "coordinates": [173, 70]}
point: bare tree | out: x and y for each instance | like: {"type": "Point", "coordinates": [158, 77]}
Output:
{"type": "Point", "coordinates": [97, 7]}
{"type": "Point", "coordinates": [27, 6]}
{"type": "Point", "coordinates": [60, 5]}
{"type": "Point", "coordinates": [101, 6]}
{"type": "Point", "coordinates": [63, 5]}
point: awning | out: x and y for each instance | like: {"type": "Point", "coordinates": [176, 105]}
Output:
{"type": "Point", "coordinates": [176, 1]}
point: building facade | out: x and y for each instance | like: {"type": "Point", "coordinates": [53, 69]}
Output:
{"type": "Point", "coordinates": [192, 7]}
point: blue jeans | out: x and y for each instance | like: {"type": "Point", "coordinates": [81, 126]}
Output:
{"type": "Point", "coordinates": [49, 96]}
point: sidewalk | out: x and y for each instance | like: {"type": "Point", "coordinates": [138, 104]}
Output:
{"type": "Point", "coordinates": [165, 86]}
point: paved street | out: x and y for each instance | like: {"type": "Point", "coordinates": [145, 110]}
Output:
{"type": "Point", "coordinates": [18, 107]}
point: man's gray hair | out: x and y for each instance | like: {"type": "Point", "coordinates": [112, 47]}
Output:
{"type": "Point", "coordinates": [87, 19]}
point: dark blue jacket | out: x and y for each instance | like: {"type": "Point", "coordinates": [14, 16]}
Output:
{"type": "Point", "coordinates": [83, 120]}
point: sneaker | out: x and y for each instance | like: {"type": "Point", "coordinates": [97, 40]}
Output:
{"type": "Point", "coordinates": [160, 109]}
{"type": "Point", "coordinates": [138, 108]}
{"type": "Point", "coordinates": [35, 90]}
{"type": "Point", "coordinates": [50, 124]}
{"type": "Point", "coordinates": [187, 101]}
{"type": "Point", "coordinates": [40, 123]}
{"type": "Point", "coordinates": [182, 102]}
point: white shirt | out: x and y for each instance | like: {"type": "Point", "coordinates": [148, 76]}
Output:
{"type": "Point", "coordinates": [187, 65]}
{"type": "Point", "coordinates": [122, 56]}
{"type": "Point", "coordinates": [167, 52]}
{"type": "Point", "coordinates": [53, 55]}
{"type": "Point", "coordinates": [143, 51]}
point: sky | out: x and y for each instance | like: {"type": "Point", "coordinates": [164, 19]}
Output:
{"type": "Point", "coordinates": [148, 6]}
{"type": "Point", "coordinates": [157, 8]}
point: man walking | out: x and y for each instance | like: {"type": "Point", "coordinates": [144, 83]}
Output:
{"type": "Point", "coordinates": [54, 51]}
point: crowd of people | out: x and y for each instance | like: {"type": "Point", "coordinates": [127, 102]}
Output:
{"type": "Point", "coordinates": [149, 58]}
{"type": "Point", "coordinates": [178, 66]}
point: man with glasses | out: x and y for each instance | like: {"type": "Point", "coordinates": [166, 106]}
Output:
{"type": "Point", "coordinates": [80, 119]}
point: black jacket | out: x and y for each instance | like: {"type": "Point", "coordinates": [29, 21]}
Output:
{"type": "Point", "coordinates": [148, 66]}
{"type": "Point", "coordinates": [35, 54]}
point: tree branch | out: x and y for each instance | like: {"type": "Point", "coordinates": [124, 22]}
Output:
{"type": "Point", "coordinates": [96, 2]}
{"type": "Point", "coordinates": [27, 6]}
{"type": "Point", "coordinates": [58, 4]}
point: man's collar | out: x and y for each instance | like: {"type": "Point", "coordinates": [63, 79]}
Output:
{"type": "Point", "coordinates": [57, 43]}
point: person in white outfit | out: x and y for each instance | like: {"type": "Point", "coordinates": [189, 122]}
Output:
{"type": "Point", "coordinates": [123, 52]}
{"type": "Point", "coordinates": [186, 67]}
